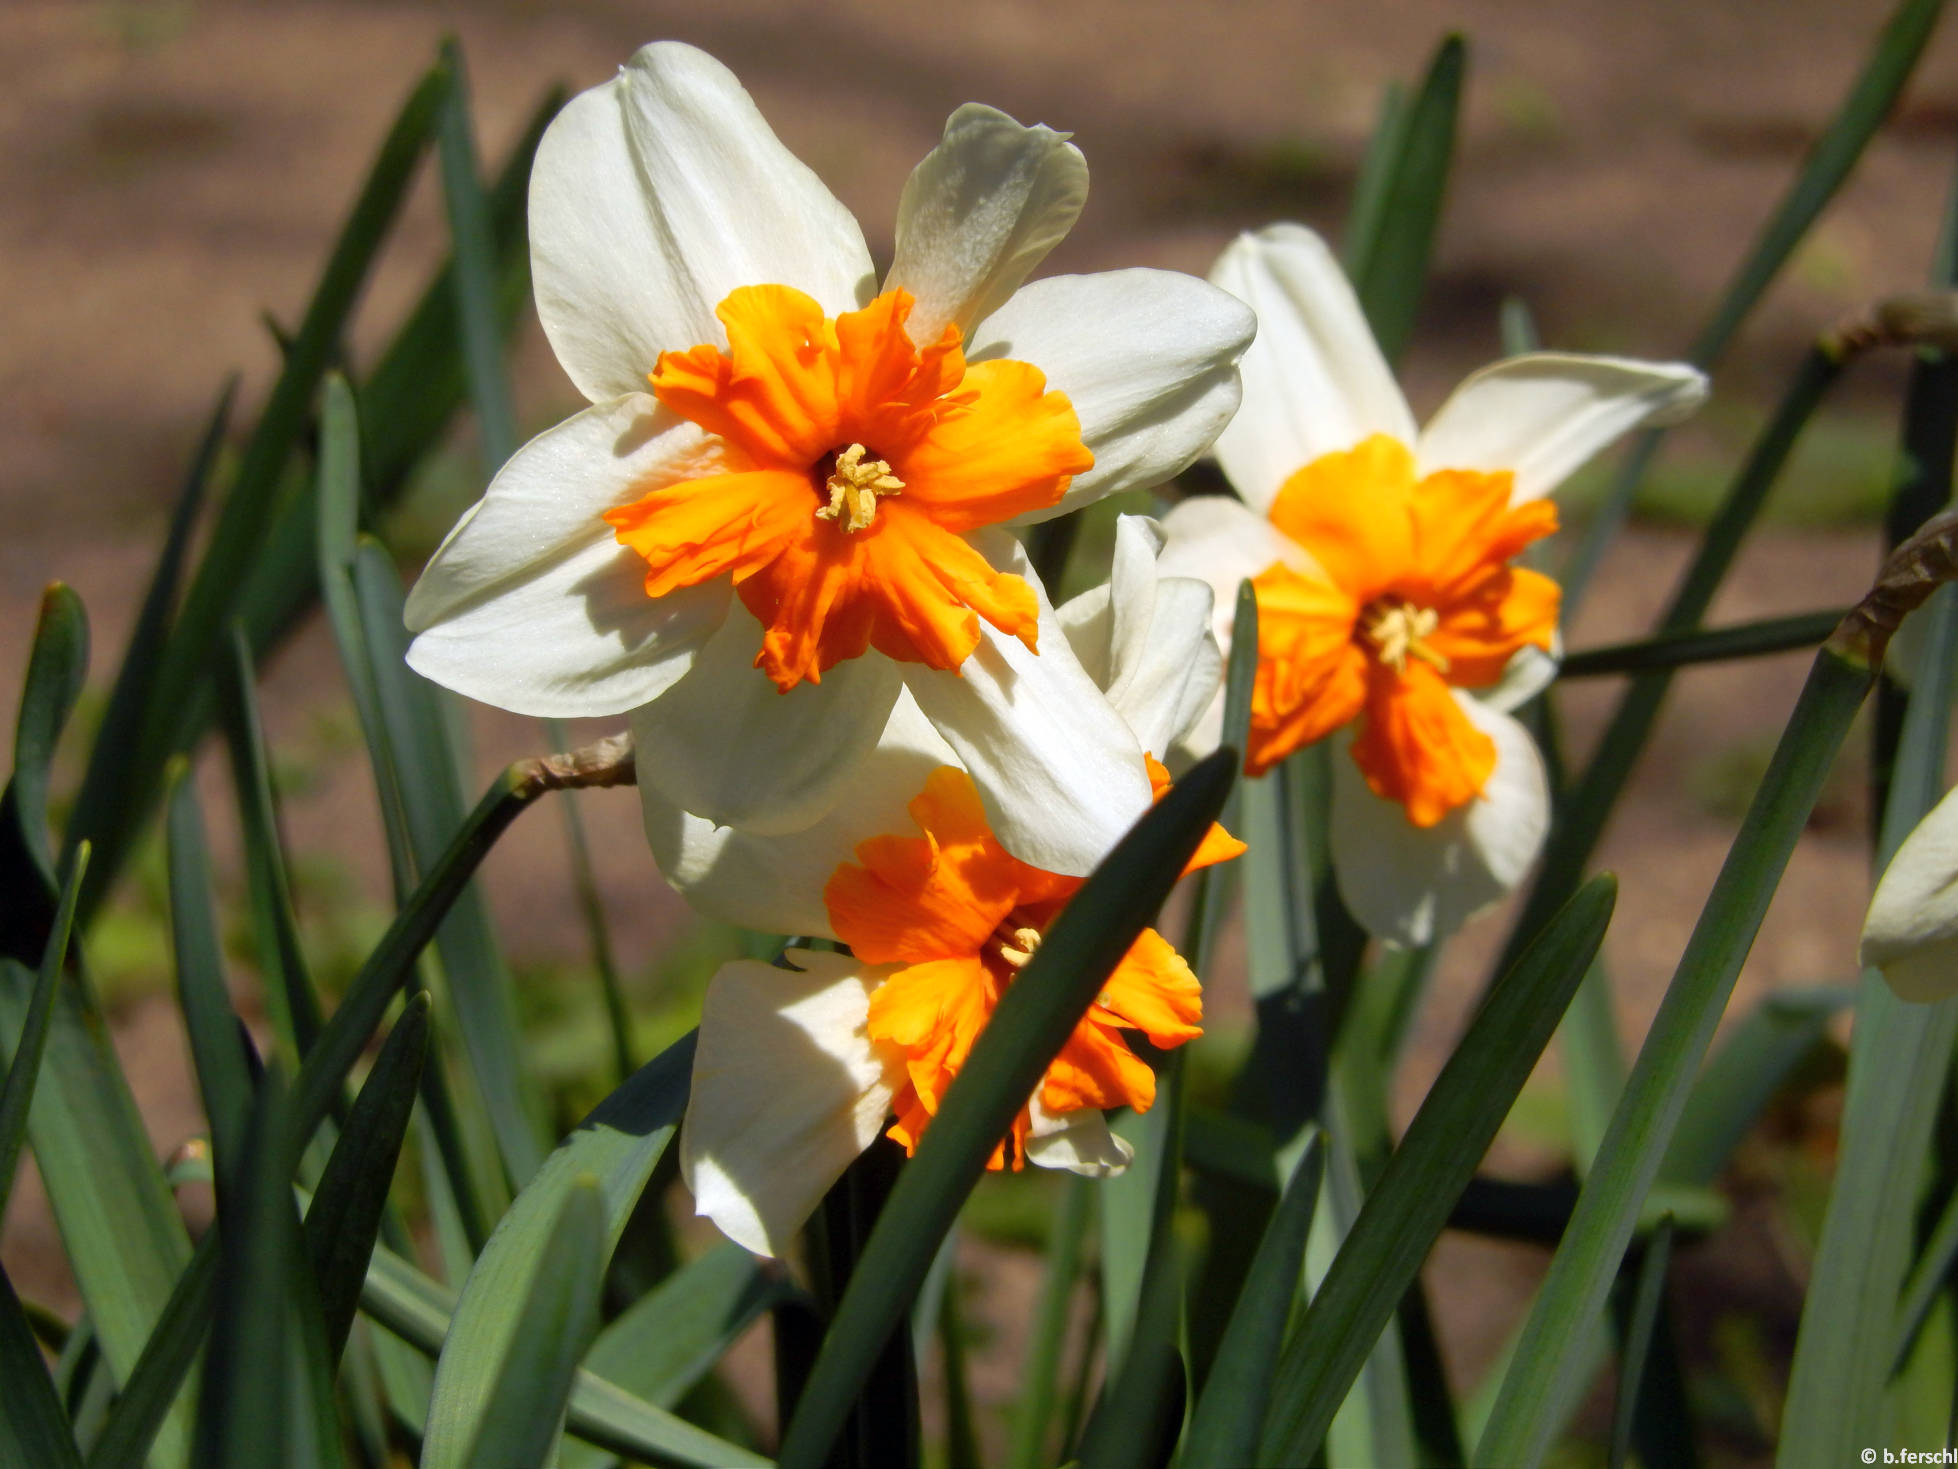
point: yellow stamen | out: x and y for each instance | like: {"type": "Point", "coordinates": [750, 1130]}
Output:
{"type": "Point", "coordinates": [1020, 951]}
{"type": "Point", "coordinates": [1396, 629]}
{"type": "Point", "coordinates": [854, 485]}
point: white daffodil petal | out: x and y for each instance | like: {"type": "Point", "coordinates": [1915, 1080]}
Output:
{"type": "Point", "coordinates": [1412, 885]}
{"type": "Point", "coordinates": [1911, 933]}
{"type": "Point", "coordinates": [1148, 358]}
{"type": "Point", "coordinates": [1544, 414]}
{"type": "Point", "coordinates": [655, 195]}
{"type": "Point", "coordinates": [1061, 775]}
{"type": "Point", "coordinates": [1080, 1142]}
{"type": "Point", "coordinates": [1528, 673]}
{"type": "Point", "coordinates": [787, 1090]}
{"type": "Point", "coordinates": [725, 744]}
{"type": "Point", "coordinates": [774, 884]}
{"type": "Point", "coordinates": [979, 212]}
{"type": "Point", "coordinates": [1221, 542]}
{"type": "Point", "coordinates": [1314, 380]}
{"type": "Point", "coordinates": [532, 605]}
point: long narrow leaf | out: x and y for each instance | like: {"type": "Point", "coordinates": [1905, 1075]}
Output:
{"type": "Point", "coordinates": [1541, 1380]}
{"type": "Point", "coordinates": [17, 1096]}
{"type": "Point", "coordinates": [1224, 1428]}
{"type": "Point", "coordinates": [557, 1320]}
{"type": "Point", "coordinates": [1035, 1016]}
{"type": "Point", "coordinates": [56, 665]}
{"type": "Point", "coordinates": [1410, 1201]}
{"type": "Point", "coordinates": [33, 1429]}
{"type": "Point", "coordinates": [1040, 1376]}
{"type": "Point", "coordinates": [618, 1145]}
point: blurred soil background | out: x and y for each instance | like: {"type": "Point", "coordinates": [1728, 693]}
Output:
{"type": "Point", "coordinates": [174, 170]}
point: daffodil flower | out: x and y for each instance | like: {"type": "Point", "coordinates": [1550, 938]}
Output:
{"type": "Point", "coordinates": [799, 1069]}
{"type": "Point", "coordinates": [1381, 555]}
{"type": "Point", "coordinates": [791, 497]}
{"type": "Point", "coordinates": [1911, 933]}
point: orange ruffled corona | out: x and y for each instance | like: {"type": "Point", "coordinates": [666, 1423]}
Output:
{"type": "Point", "coordinates": [1411, 593]}
{"type": "Point", "coordinates": [854, 460]}
{"type": "Point", "coordinates": [962, 917]}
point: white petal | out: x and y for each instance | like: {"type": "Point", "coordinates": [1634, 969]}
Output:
{"type": "Point", "coordinates": [1221, 542]}
{"type": "Point", "coordinates": [1164, 666]}
{"type": "Point", "coordinates": [1412, 885]}
{"type": "Point", "coordinates": [1528, 673]}
{"type": "Point", "coordinates": [787, 1090]}
{"type": "Point", "coordinates": [775, 883]}
{"type": "Point", "coordinates": [979, 212]}
{"type": "Point", "coordinates": [1911, 933]}
{"type": "Point", "coordinates": [655, 195]}
{"type": "Point", "coordinates": [1544, 414]}
{"type": "Point", "coordinates": [531, 603]}
{"type": "Point", "coordinates": [1080, 1142]}
{"type": "Point", "coordinates": [725, 744]}
{"type": "Point", "coordinates": [1314, 380]}
{"type": "Point", "coordinates": [1060, 773]}
{"type": "Point", "coordinates": [1147, 357]}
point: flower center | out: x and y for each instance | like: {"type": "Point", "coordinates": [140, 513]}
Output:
{"type": "Point", "coordinates": [854, 484]}
{"type": "Point", "coordinates": [1016, 944]}
{"type": "Point", "coordinates": [1396, 629]}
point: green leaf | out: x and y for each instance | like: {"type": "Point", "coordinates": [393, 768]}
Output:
{"type": "Point", "coordinates": [1648, 1298]}
{"type": "Point", "coordinates": [556, 1322]}
{"type": "Point", "coordinates": [33, 1429]}
{"type": "Point", "coordinates": [120, 786]}
{"type": "Point", "coordinates": [347, 1207]}
{"type": "Point", "coordinates": [1541, 1380]}
{"type": "Point", "coordinates": [1828, 164]}
{"type": "Point", "coordinates": [1716, 645]}
{"type": "Point", "coordinates": [1398, 209]}
{"type": "Point", "coordinates": [1899, 1058]}
{"type": "Point", "coordinates": [251, 1411]}
{"type": "Point", "coordinates": [1224, 1427]}
{"type": "Point", "coordinates": [416, 1309]}
{"type": "Point", "coordinates": [1928, 1278]}
{"type": "Point", "coordinates": [618, 1144]}
{"type": "Point", "coordinates": [591, 906]}
{"type": "Point", "coordinates": [17, 1096]}
{"type": "Point", "coordinates": [474, 268]}
{"type": "Point", "coordinates": [288, 988]}
{"type": "Point", "coordinates": [151, 1389]}
{"type": "Point", "coordinates": [1438, 1154]}
{"type": "Point", "coordinates": [1034, 1018]}
{"type": "Point", "coordinates": [217, 1039]}
{"type": "Point", "coordinates": [56, 666]}
{"type": "Point", "coordinates": [1040, 1376]}
{"type": "Point", "coordinates": [1136, 1207]}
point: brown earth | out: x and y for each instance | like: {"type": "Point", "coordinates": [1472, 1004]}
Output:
{"type": "Point", "coordinates": [175, 168]}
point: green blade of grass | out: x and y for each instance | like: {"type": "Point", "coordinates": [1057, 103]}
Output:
{"type": "Point", "coordinates": [1224, 1427]}
{"type": "Point", "coordinates": [1714, 645]}
{"type": "Point", "coordinates": [1648, 1296]}
{"type": "Point", "coordinates": [1400, 214]}
{"type": "Point", "coordinates": [1035, 1016]}
{"type": "Point", "coordinates": [152, 1387]}
{"type": "Point", "coordinates": [1136, 1206]}
{"type": "Point", "coordinates": [1930, 1275]}
{"type": "Point", "coordinates": [557, 1319]}
{"type": "Point", "coordinates": [1899, 1056]}
{"type": "Point", "coordinates": [33, 1429]}
{"type": "Point", "coordinates": [17, 1096]}
{"type": "Point", "coordinates": [217, 1039]}
{"type": "Point", "coordinates": [1436, 1157]}
{"type": "Point", "coordinates": [1541, 1380]}
{"type": "Point", "coordinates": [618, 1144]}
{"type": "Point", "coordinates": [1040, 1376]}
{"type": "Point", "coordinates": [57, 663]}
{"type": "Point", "coordinates": [288, 987]}
{"type": "Point", "coordinates": [345, 1215]}
{"type": "Point", "coordinates": [416, 1309]}
{"type": "Point", "coordinates": [1366, 210]}
{"type": "Point", "coordinates": [472, 237]}
{"type": "Point", "coordinates": [120, 785]}
{"type": "Point", "coordinates": [1828, 164]}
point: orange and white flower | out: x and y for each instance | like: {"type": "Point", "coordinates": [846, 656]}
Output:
{"type": "Point", "coordinates": [1388, 604]}
{"type": "Point", "coordinates": [798, 1070]}
{"type": "Point", "coordinates": [1911, 932]}
{"type": "Point", "coordinates": [790, 467]}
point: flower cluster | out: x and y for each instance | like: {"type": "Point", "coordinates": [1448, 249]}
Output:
{"type": "Point", "coordinates": [781, 541]}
